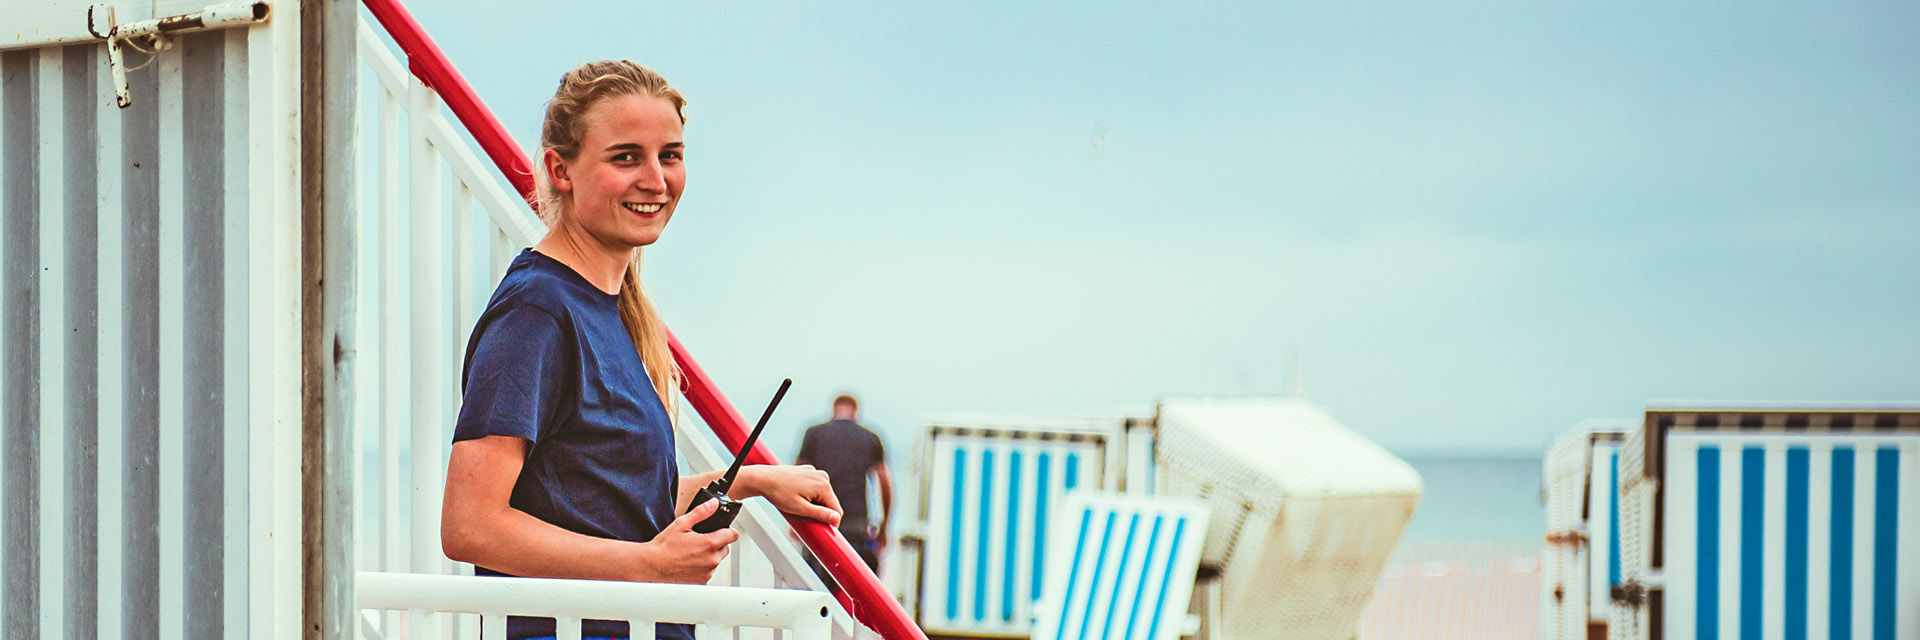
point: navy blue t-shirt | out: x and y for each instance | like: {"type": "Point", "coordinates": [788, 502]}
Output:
{"type": "Point", "coordinates": [551, 362]}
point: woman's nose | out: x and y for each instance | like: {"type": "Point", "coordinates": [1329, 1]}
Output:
{"type": "Point", "coordinates": [652, 177]}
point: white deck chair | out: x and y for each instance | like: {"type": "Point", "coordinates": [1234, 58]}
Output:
{"type": "Point", "coordinates": [1120, 568]}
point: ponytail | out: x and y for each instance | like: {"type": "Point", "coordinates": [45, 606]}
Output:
{"type": "Point", "coordinates": [649, 337]}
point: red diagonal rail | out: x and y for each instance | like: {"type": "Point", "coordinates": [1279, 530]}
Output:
{"type": "Point", "coordinates": [860, 591]}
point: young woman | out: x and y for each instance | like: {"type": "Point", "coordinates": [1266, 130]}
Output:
{"type": "Point", "coordinates": [563, 455]}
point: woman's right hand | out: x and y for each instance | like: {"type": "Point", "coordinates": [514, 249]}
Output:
{"type": "Point", "coordinates": [678, 554]}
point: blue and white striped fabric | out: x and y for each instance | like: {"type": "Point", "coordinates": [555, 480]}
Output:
{"type": "Point", "coordinates": [1603, 528]}
{"type": "Point", "coordinates": [1121, 568]}
{"type": "Point", "coordinates": [1793, 537]}
{"type": "Point", "coordinates": [988, 501]}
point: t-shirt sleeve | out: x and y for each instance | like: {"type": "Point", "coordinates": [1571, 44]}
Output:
{"type": "Point", "coordinates": [879, 452]}
{"type": "Point", "coordinates": [516, 376]}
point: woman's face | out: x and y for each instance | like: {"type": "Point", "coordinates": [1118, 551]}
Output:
{"type": "Point", "coordinates": [627, 178]}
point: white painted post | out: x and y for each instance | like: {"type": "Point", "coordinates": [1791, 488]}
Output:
{"type": "Point", "coordinates": [426, 278]}
{"type": "Point", "coordinates": [733, 562]}
{"type": "Point", "coordinates": [462, 312]}
{"type": "Point", "coordinates": [393, 287]}
{"type": "Point", "coordinates": [273, 328]}
{"type": "Point", "coordinates": [367, 356]}
{"type": "Point", "coordinates": [493, 626]}
{"type": "Point", "coordinates": [390, 366]}
{"type": "Point", "coordinates": [460, 319]}
{"type": "Point", "coordinates": [566, 628]}
{"type": "Point", "coordinates": [395, 312]}
{"type": "Point", "coordinates": [503, 253]}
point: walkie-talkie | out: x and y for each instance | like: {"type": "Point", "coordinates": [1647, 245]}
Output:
{"type": "Point", "coordinates": [723, 516]}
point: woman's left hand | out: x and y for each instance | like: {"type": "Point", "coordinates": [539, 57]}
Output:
{"type": "Point", "coordinates": [797, 489]}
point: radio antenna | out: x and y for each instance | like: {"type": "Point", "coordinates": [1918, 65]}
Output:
{"type": "Point", "coordinates": [722, 516]}
{"type": "Point", "coordinates": [726, 481]}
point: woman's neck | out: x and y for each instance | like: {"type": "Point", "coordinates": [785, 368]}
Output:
{"type": "Point", "coordinates": [603, 267]}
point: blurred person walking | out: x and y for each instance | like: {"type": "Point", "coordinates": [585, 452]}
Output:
{"type": "Point", "coordinates": [850, 454]}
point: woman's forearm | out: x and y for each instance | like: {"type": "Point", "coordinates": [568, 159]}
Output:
{"type": "Point", "coordinates": [798, 490]}
{"type": "Point", "coordinates": [510, 541]}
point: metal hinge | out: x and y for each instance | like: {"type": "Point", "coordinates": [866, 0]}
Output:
{"type": "Point", "coordinates": [102, 24]}
{"type": "Point", "coordinates": [1629, 594]}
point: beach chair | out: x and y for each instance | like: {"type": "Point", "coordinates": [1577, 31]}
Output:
{"type": "Point", "coordinates": [989, 489]}
{"type": "Point", "coordinates": [1772, 520]}
{"type": "Point", "coordinates": [1581, 478]}
{"type": "Point", "coordinates": [1120, 568]}
{"type": "Point", "coordinates": [1305, 512]}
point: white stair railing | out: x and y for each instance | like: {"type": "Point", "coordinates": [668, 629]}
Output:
{"type": "Point", "coordinates": [803, 613]}
{"type": "Point", "coordinates": [428, 266]}
{"type": "Point", "coordinates": [766, 554]}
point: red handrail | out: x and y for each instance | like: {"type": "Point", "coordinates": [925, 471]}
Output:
{"type": "Point", "coordinates": [431, 66]}
{"type": "Point", "coordinates": [861, 592]}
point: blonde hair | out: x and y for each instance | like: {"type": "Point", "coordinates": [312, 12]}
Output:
{"type": "Point", "coordinates": [561, 132]}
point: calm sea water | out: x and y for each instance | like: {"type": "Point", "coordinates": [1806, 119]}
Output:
{"type": "Point", "coordinates": [1466, 566]}
{"type": "Point", "coordinates": [1478, 499]}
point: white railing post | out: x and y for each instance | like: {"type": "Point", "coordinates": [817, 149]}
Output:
{"type": "Point", "coordinates": [393, 340]}
{"type": "Point", "coordinates": [566, 628]}
{"type": "Point", "coordinates": [424, 278]}
{"type": "Point", "coordinates": [493, 625]}
{"type": "Point", "coordinates": [501, 253]}
{"type": "Point", "coordinates": [462, 312]}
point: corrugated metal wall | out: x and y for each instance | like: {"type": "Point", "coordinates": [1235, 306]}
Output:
{"type": "Point", "coordinates": [124, 286]}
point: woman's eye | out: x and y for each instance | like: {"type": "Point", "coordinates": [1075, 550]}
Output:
{"type": "Point", "coordinates": [671, 155]}
{"type": "Point", "coordinates": [624, 157]}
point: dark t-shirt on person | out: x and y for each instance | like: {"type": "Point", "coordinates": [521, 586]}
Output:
{"type": "Point", "coordinates": [550, 361]}
{"type": "Point", "coordinates": [846, 451]}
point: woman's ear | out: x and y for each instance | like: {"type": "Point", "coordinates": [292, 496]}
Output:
{"type": "Point", "coordinates": [556, 168]}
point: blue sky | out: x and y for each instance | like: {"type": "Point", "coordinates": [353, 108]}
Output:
{"type": "Point", "coordinates": [1478, 224]}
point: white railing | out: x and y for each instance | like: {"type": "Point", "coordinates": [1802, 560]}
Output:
{"type": "Point", "coordinates": [804, 613]}
{"type": "Point", "coordinates": [766, 554]}
{"type": "Point", "coordinates": [427, 269]}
